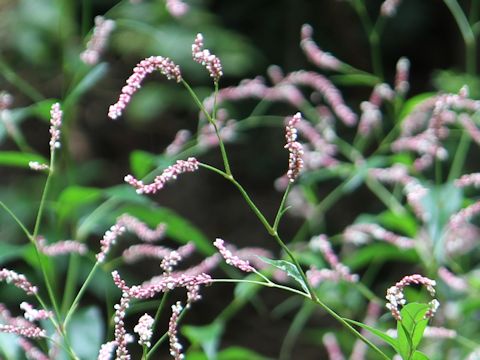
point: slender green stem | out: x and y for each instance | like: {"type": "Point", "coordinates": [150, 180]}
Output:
{"type": "Point", "coordinates": [460, 156]}
{"type": "Point", "coordinates": [17, 220]}
{"type": "Point", "coordinates": [385, 196]}
{"type": "Point", "coordinates": [269, 284]}
{"type": "Point", "coordinates": [467, 35]}
{"type": "Point", "coordinates": [70, 283]}
{"type": "Point", "coordinates": [281, 207]}
{"type": "Point", "coordinates": [74, 305]}
{"type": "Point", "coordinates": [160, 307]}
{"type": "Point", "coordinates": [211, 120]}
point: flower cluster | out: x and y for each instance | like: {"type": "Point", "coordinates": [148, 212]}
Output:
{"type": "Point", "coordinates": [55, 124]}
{"type": "Point", "coordinates": [32, 314]}
{"type": "Point", "coordinates": [176, 8]}
{"type": "Point", "coordinates": [170, 173]}
{"type": "Point", "coordinates": [140, 229]}
{"type": "Point", "coordinates": [18, 280]}
{"type": "Point", "coordinates": [295, 149]}
{"type": "Point", "coordinates": [96, 44]}
{"type": "Point", "coordinates": [396, 298]}
{"type": "Point", "coordinates": [204, 57]}
{"type": "Point", "coordinates": [175, 345]}
{"type": "Point", "coordinates": [144, 330]}
{"type": "Point", "coordinates": [61, 247]}
{"type": "Point", "coordinates": [108, 240]}
{"type": "Point", "coordinates": [166, 66]}
{"type": "Point", "coordinates": [35, 165]}
{"type": "Point", "coordinates": [360, 234]}
{"type": "Point", "coordinates": [232, 259]}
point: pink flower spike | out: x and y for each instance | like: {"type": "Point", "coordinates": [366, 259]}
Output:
{"type": "Point", "coordinates": [403, 69]}
{"type": "Point", "coordinates": [144, 330]}
{"type": "Point", "coordinates": [18, 280]}
{"type": "Point", "coordinates": [35, 165]}
{"type": "Point", "coordinates": [389, 8]}
{"type": "Point", "coordinates": [98, 41]}
{"type": "Point", "coordinates": [31, 352]}
{"type": "Point", "coordinates": [452, 280]}
{"type": "Point", "coordinates": [61, 247]}
{"type": "Point", "coordinates": [32, 314]}
{"type": "Point", "coordinates": [396, 298]}
{"type": "Point", "coordinates": [108, 240]}
{"type": "Point", "coordinates": [140, 229]}
{"type": "Point", "coordinates": [231, 259]}
{"type": "Point", "coordinates": [55, 124]}
{"type": "Point", "coordinates": [32, 332]}
{"type": "Point", "coordinates": [170, 173]}
{"type": "Point", "coordinates": [106, 350]}
{"type": "Point", "coordinates": [295, 162]}
{"type": "Point", "coordinates": [468, 180]}
{"type": "Point", "coordinates": [175, 345]}
{"type": "Point", "coordinates": [203, 56]}
{"type": "Point", "coordinates": [331, 345]}
{"type": "Point", "coordinates": [317, 56]}
{"type": "Point", "coordinates": [147, 66]}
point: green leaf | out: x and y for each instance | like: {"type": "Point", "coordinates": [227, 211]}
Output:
{"type": "Point", "coordinates": [207, 336]}
{"type": "Point", "coordinates": [19, 159]}
{"type": "Point", "coordinates": [417, 355]}
{"type": "Point", "coordinates": [288, 268]}
{"type": "Point", "coordinates": [9, 348]}
{"type": "Point", "coordinates": [86, 331]}
{"type": "Point", "coordinates": [404, 342]}
{"type": "Point", "coordinates": [141, 163]}
{"type": "Point", "coordinates": [404, 223]}
{"type": "Point", "coordinates": [73, 197]}
{"type": "Point", "coordinates": [388, 339]}
{"type": "Point", "coordinates": [414, 322]}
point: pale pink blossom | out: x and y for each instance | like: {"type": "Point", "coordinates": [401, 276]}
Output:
{"type": "Point", "coordinates": [275, 73]}
{"type": "Point", "coordinates": [61, 247]}
{"type": "Point", "coordinates": [108, 240]}
{"type": "Point", "coordinates": [452, 280]}
{"type": "Point", "coordinates": [468, 180]}
{"type": "Point", "coordinates": [470, 126]}
{"type": "Point", "coordinates": [18, 280]}
{"type": "Point", "coordinates": [325, 87]}
{"type": "Point", "coordinates": [361, 234]}
{"type": "Point", "coordinates": [140, 229]}
{"type": "Point", "coordinates": [144, 330]}
{"type": "Point", "coordinates": [396, 297]}
{"type": "Point", "coordinates": [463, 216]}
{"type": "Point", "coordinates": [98, 41]}
{"type": "Point", "coordinates": [175, 345]}
{"type": "Point", "coordinates": [203, 56]}
{"type": "Point", "coordinates": [56, 115]}
{"type": "Point", "coordinates": [370, 118]}
{"type": "Point", "coordinates": [295, 149]}
{"type": "Point", "coordinates": [177, 144]}
{"type": "Point", "coordinates": [35, 165]}
{"type": "Point", "coordinates": [232, 259]}
{"type": "Point", "coordinates": [135, 253]}
{"type": "Point", "coordinates": [403, 68]}
{"type": "Point", "coordinates": [106, 350]}
{"type": "Point", "coordinates": [333, 348]}
{"type": "Point", "coordinates": [32, 332]}
{"type": "Point", "coordinates": [431, 332]}
{"type": "Point", "coordinates": [170, 173]}
{"type": "Point", "coordinates": [175, 256]}
{"type": "Point", "coordinates": [176, 8]}
{"type": "Point", "coordinates": [147, 66]}
{"type": "Point", "coordinates": [380, 93]}
{"type": "Point", "coordinates": [32, 314]}
{"type": "Point", "coordinates": [31, 351]}
{"type": "Point", "coordinates": [317, 56]}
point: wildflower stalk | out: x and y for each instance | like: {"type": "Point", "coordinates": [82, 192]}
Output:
{"type": "Point", "coordinates": [85, 284]}
{"type": "Point", "coordinates": [13, 78]}
{"type": "Point", "coordinates": [311, 292]}
{"type": "Point", "coordinates": [467, 35]}
{"type": "Point", "coordinates": [460, 156]}
{"type": "Point", "coordinates": [211, 120]}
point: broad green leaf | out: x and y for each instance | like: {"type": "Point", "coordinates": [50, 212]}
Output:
{"type": "Point", "coordinates": [73, 197]}
{"type": "Point", "coordinates": [19, 159]}
{"type": "Point", "coordinates": [404, 223]}
{"type": "Point", "coordinates": [355, 80]}
{"type": "Point", "coordinates": [287, 267]}
{"type": "Point", "coordinates": [417, 355]}
{"type": "Point", "coordinates": [141, 163]}
{"type": "Point", "coordinates": [413, 102]}
{"type": "Point", "coordinates": [86, 331]}
{"type": "Point", "coordinates": [379, 333]}
{"type": "Point", "coordinates": [404, 341]}
{"type": "Point", "coordinates": [207, 336]}
{"type": "Point", "coordinates": [414, 322]}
